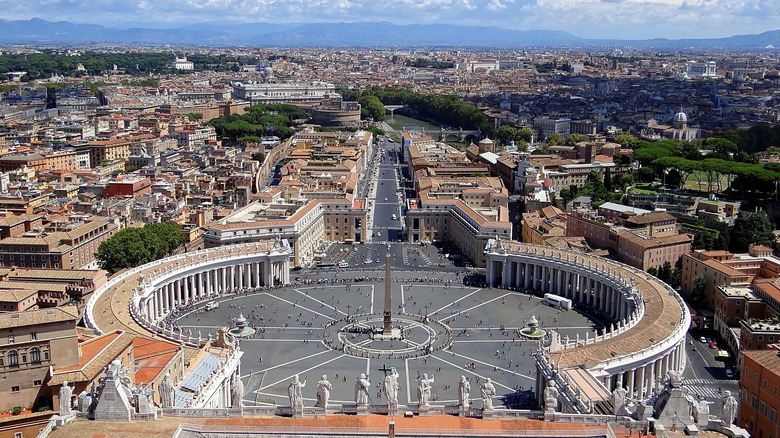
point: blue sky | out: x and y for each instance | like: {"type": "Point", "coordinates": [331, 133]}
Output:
{"type": "Point", "coordinates": [625, 19]}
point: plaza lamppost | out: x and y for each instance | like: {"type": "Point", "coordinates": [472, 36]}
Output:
{"type": "Point", "coordinates": [348, 307]}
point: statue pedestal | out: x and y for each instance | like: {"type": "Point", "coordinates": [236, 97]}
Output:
{"type": "Point", "coordinates": [297, 411]}
{"type": "Point", "coordinates": [423, 411]}
{"type": "Point", "coordinates": [487, 414]}
{"type": "Point", "coordinates": [63, 420]}
{"type": "Point", "coordinates": [463, 411]}
{"type": "Point", "coordinates": [362, 410]}
{"type": "Point", "coordinates": [320, 411]}
{"type": "Point", "coordinates": [392, 410]}
{"type": "Point", "coordinates": [549, 415]}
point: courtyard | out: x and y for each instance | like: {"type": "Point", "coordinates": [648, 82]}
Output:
{"type": "Point", "coordinates": [323, 325]}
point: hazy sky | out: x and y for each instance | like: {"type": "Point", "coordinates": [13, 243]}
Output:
{"type": "Point", "coordinates": [585, 18]}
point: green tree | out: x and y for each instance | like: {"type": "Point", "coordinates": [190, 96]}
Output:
{"type": "Point", "coordinates": [608, 180]}
{"type": "Point", "coordinates": [554, 139]}
{"type": "Point", "coordinates": [194, 117]}
{"type": "Point", "coordinates": [259, 157]}
{"type": "Point", "coordinates": [699, 285]}
{"type": "Point", "coordinates": [626, 140]}
{"type": "Point", "coordinates": [750, 228]}
{"type": "Point", "coordinates": [133, 247]}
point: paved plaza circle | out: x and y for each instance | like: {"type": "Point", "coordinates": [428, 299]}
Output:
{"type": "Point", "coordinates": [325, 327]}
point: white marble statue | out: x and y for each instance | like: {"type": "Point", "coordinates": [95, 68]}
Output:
{"type": "Point", "coordinates": [391, 387]}
{"type": "Point", "coordinates": [237, 393]}
{"type": "Point", "coordinates": [487, 391]}
{"type": "Point", "coordinates": [295, 393]}
{"type": "Point", "coordinates": [424, 390]}
{"type": "Point", "coordinates": [551, 396]}
{"type": "Point", "coordinates": [464, 390]}
{"type": "Point", "coordinates": [728, 408]}
{"type": "Point", "coordinates": [66, 392]}
{"type": "Point", "coordinates": [361, 390]}
{"type": "Point", "coordinates": [323, 392]}
{"type": "Point", "coordinates": [166, 391]}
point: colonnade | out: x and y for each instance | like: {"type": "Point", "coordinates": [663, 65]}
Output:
{"type": "Point", "coordinates": [571, 281]}
{"type": "Point", "coordinates": [605, 287]}
{"type": "Point", "coordinates": [196, 285]}
{"type": "Point", "coordinates": [643, 380]}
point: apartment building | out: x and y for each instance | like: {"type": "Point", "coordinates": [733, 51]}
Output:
{"type": "Point", "coordinates": [539, 226]}
{"type": "Point", "coordinates": [63, 161]}
{"type": "Point", "coordinates": [30, 343]}
{"type": "Point", "coordinates": [60, 244]}
{"type": "Point", "coordinates": [759, 401]}
{"type": "Point", "coordinates": [305, 225]}
{"type": "Point", "coordinates": [101, 151]}
{"type": "Point", "coordinates": [722, 268]}
{"type": "Point", "coordinates": [637, 237]}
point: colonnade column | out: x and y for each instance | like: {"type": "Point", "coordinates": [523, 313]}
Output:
{"type": "Point", "coordinates": [630, 382]}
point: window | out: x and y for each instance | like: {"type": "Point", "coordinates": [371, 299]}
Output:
{"type": "Point", "coordinates": [13, 358]}
{"type": "Point", "coordinates": [18, 435]}
{"type": "Point", "coordinates": [10, 339]}
{"type": "Point", "coordinates": [772, 414]}
{"type": "Point", "coordinates": [37, 382]}
{"type": "Point", "coordinates": [33, 336]}
{"type": "Point", "coordinates": [14, 389]}
{"type": "Point", "coordinates": [35, 355]}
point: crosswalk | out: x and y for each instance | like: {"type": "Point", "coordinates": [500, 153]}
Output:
{"type": "Point", "coordinates": [710, 388]}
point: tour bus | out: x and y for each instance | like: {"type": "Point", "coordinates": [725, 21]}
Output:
{"type": "Point", "coordinates": [557, 301]}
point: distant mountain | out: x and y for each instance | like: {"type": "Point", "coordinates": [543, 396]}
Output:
{"type": "Point", "coordinates": [37, 31]}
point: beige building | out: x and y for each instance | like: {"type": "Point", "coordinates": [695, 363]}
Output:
{"type": "Point", "coordinates": [108, 150]}
{"type": "Point", "coordinates": [58, 245]}
{"type": "Point", "coordinates": [30, 343]}
{"type": "Point", "coordinates": [306, 227]}
{"type": "Point", "coordinates": [723, 268]}
{"type": "Point", "coordinates": [636, 237]}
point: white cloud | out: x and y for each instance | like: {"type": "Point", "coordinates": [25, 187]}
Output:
{"type": "Point", "coordinates": [589, 18]}
{"type": "Point", "coordinates": [496, 5]}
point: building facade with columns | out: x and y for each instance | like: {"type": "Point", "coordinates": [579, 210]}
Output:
{"type": "Point", "coordinates": [647, 323]}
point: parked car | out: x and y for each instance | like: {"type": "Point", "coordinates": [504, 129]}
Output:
{"type": "Point", "coordinates": [212, 305]}
{"type": "Point", "coordinates": [729, 373]}
{"type": "Point", "coordinates": [703, 340]}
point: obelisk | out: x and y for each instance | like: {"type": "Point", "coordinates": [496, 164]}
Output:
{"type": "Point", "coordinates": [388, 326]}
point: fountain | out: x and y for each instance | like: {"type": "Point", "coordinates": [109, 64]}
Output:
{"type": "Point", "coordinates": [533, 331]}
{"type": "Point", "coordinates": [241, 329]}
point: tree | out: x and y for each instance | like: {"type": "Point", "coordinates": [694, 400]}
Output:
{"type": "Point", "coordinates": [750, 228]}
{"type": "Point", "coordinates": [259, 157]}
{"type": "Point", "coordinates": [626, 140]}
{"type": "Point", "coordinates": [194, 117]}
{"type": "Point", "coordinates": [133, 247]}
{"type": "Point", "coordinates": [699, 284]}
{"type": "Point", "coordinates": [608, 180]}
{"type": "Point", "coordinates": [554, 139]}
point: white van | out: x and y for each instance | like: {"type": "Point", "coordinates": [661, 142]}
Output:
{"type": "Point", "coordinates": [395, 217]}
{"type": "Point", "coordinates": [212, 305]}
{"type": "Point", "coordinates": [343, 264]}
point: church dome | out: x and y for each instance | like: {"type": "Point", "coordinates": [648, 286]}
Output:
{"type": "Point", "coordinates": [680, 117]}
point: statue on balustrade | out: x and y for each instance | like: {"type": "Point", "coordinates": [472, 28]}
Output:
{"type": "Point", "coordinates": [295, 393]}
{"type": "Point", "coordinates": [464, 391]}
{"type": "Point", "coordinates": [728, 408]}
{"type": "Point", "coordinates": [323, 392]}
{"type": "Point", "coordinates": [487, 392]}
{"type": "Point", "coordinates": [166, 391]}
{"type": "Point", "coordinates": [551, 396]}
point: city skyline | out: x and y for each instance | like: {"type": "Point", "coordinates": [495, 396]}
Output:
{"type": "Point", "coordinates": [607, 19]}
